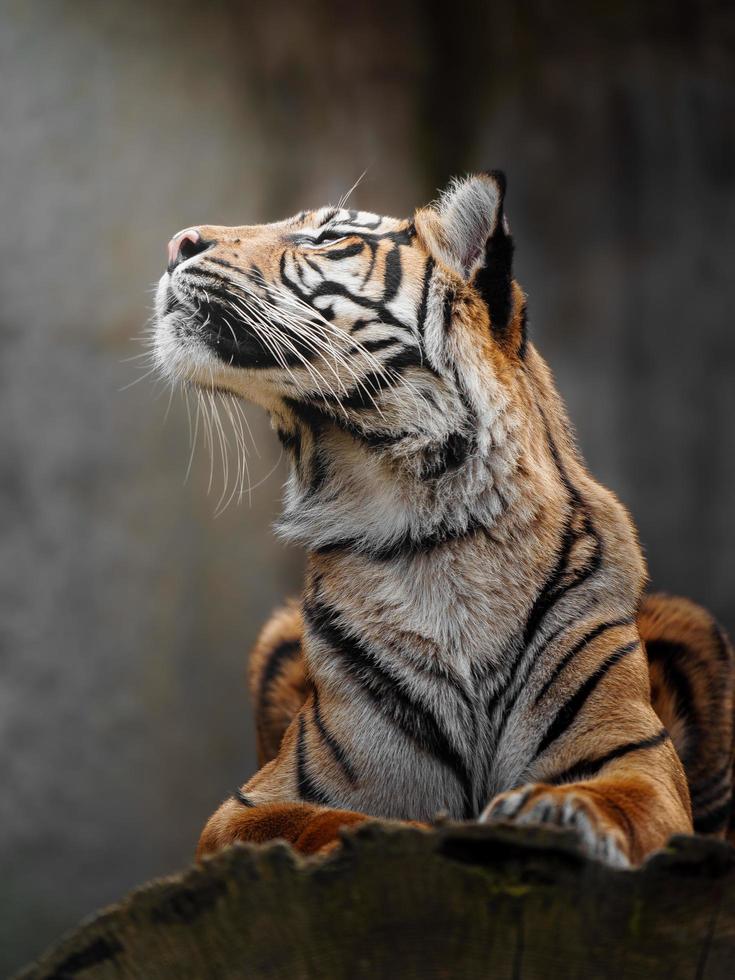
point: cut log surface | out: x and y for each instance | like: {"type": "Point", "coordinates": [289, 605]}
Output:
{"type": "Point", "coordinates": [460, 901]}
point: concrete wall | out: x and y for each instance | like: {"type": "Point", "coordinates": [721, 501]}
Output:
{"type": "Point", "coordinates": [126, 606]}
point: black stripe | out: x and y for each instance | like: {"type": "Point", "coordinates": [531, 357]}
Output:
{"type": "Point", "coordinates": [369, 224]}
{"type": "Point", "coordinates": [524, 333]}
{"type": "Point", "coordinates": [715, 821]}
{"type": "Point", "coordinates": [573, 705]}
{"type": "Point", "coordinates": [375, 345]}
{"type": "Point", "coordinates": [313, 422]}
{"type": "Point", "coordinates": [331, 213]}
{"type": "Point", "coordinates": [448, 309]}
{"type": "Point", "coordinates": [340, 756]}
{"type": "Point", "coordinates": [313, 266]}
{"type": "Point", "coordinates": [520, 683]}
{"type": "Point", "coordinates": [240, 797]}
{"type": "Point", "coordinates": [361, 323]}
{"type": "Point", "coordinates": [225, 264]}
{"type": "Point", "coordinates": [724, 649]}
{"type": "Point", "coordinates": [587, 768]}
{"type": "Point", "coordinates": [362, 394]}
{"type": "Point", "coordinates": [402, 236]}
{"type": "Point", "coordinates": [588, 637]}
{"type": "Point", "coordinates": [307, 788]}
{"type": "Point", "coordinates": [319, 469]}
{"type": "Point", "coordinates": [545, 597]}
{"type": "Point", "coordinates": [315, 419]}
{"type": "Point", "coordinates": [407, 546]}
{"type": "Point", "coordinates": [669, 657]}
{"type": "Point", "coordinates": [457, 446]}
{"type": "Point", "coordinates": [299, 263]}
{"type": "Point", "coordinates": [713, 782]}
{"type": "Point", "coordinates": [552, 590]}
{"type": "Point", "coordinates": [389, 693]}
{"type": "Point", "coordinates": [450, 455]}
{"type": "Point", "coordinates": [335, 254]}
{"type": "Point", "coordinates": [393, 274]}
{"type": "Point", "coordinates": [705, 802]}
{"type": "Point", "coordinates": [494, 280]}
{"type": "Point", "coordinates": [291, 442]}
{"type": "Point", "coordinates": [288, 650]}
{"type": "Point", "coordinates": [428, 273]}
{"type": "Point", "coordinates": [330, 288]}
{"type": "Point", "coordinates": [556, 456]}
{"type": "Point", "coordinates": [104, 950]}
{"type": "Point", "coordinates": [371, 265]}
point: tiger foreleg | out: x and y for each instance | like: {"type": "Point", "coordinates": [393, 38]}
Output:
{"type": "Point", "coordinates": [620, 817]}
{"type": "Point", "coordinates": [599, 814]}
{"type": "Point", "coordinates": [305, 796]}
{"type": "Point", "coordinates": [605, 766]}
{"type": "Point", "coordinates": [309, 829]}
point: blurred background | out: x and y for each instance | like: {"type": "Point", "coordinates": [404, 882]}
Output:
{"type": "Point", "coordinates": [126, 605]}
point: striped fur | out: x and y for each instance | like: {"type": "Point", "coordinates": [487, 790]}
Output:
{"type": "Point", "coordinates": [691, 673]}
{"type": "Point", "coordinates": [691, 667]}
{"type": "Point", "coordinates": [469, 638]}
{"type": "Point", "coordinates": [278, 684]}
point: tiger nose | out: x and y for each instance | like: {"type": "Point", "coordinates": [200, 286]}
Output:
{"type": "Point", "coordinates": [184, 246]}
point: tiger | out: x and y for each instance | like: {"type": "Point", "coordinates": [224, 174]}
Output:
{"type": "Point", "coordinates": [474, 639]}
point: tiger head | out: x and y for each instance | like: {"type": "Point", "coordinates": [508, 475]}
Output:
{"type": "Point", "coordinates": [387, 351]}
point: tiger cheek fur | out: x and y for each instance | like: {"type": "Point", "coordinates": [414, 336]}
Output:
{"type": "Point", "coordinates": [469, 639]}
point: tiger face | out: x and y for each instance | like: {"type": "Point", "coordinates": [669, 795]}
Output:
{"type": "Point", "coordinates": [383, 326]}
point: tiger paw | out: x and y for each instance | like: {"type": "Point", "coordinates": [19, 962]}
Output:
{"type": "Point", "coordinates": [309, 829]}
{"type": "Point", "coordinates": [571, 808]}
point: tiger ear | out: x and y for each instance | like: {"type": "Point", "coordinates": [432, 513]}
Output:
{"type": "Point", "coordinates": [464, 219]}
{"type": "Point", "coordinates": [467, 229]}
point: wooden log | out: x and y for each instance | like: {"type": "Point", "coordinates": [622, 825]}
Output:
{"type": "Point", "coordinates": [460, 901]}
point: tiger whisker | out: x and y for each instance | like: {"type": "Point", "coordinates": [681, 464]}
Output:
{"type": "Point", "coordinates": [272, 340]}
{"type": "Point", "coordinates": [348, 194]}
{"type": "Point", "coordinates": [193, 438]}
{"type": "Point", "coordinates": [290, 346]}
{"type": "Point", "coordinates": [307, 332]}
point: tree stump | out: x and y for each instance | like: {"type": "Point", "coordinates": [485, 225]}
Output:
{"type": "Point", "coordinates": [462, 901]}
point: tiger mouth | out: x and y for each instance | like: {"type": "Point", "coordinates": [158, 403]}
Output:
{"type": "Point", "coordinates": [235, 341]}
{"type": "Point", "coordinates": [201, 312]}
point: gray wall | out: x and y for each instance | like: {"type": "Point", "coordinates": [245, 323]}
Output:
{"type": "Point", "coordinates": [126, 606]}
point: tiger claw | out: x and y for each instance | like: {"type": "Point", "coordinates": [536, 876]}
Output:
{"type": "Point", "coordinates": [538, 805]}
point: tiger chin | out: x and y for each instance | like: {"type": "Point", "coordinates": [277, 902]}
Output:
{"type": "Point", "coordinates": [473, 636]}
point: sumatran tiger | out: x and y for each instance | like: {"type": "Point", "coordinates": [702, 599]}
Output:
{"type": "Point", "coordinates": [473, 636]}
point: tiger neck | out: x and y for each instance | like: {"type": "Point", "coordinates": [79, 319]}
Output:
{"type": "Point", "coordinates": [399, 497]}
{"type": "Point", "coordinates": [430, 562]}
